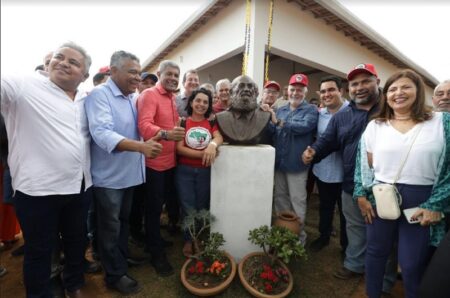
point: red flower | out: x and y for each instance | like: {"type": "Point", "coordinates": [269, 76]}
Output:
{"type": "Point", "coordinates": [264, 275]}
{"type": "Point", "coordinates": [270, 275]}
{"type": "Point", "coordinates": [268, 287]}
{"type": "Point", "coordinates": [191, 270]}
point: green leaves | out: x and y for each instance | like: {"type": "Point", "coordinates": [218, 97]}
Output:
{"type": "Point", "coordinates": [277, 242]}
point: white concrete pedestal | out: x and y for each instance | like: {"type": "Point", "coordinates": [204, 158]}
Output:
{"type": "Point", "coordinates": [241, 194]}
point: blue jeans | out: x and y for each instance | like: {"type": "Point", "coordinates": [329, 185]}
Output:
{"type": "Point", "coordinates": [356, 248]}
{"type": "Point", "coordinates": [113, 209]}
{"type": "Point", "coordinates": [193, 185]}
{"type": "Point", "coordinates": [41, 219]}
{"type": "Point", "coordinates": [413, 245]}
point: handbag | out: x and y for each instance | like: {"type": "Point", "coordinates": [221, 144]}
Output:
{"type": "Point", "coordinates": [387, 197]}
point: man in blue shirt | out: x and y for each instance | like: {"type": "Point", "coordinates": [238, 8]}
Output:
{"type": "Point", "coordinates": [329, 172]}
{"type": "Point", "coordinates": [343, 134]}
{"type": "Point", "coordinates": [117, 164]}
{"type": "Point", "coordinates": [293, 128]}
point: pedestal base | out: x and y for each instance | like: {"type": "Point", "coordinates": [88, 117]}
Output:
{"type": "Point", "coordinates": [241, 194]}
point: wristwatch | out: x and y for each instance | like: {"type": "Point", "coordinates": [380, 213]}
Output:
{"type": "Point", "coordinates": [164, 134]}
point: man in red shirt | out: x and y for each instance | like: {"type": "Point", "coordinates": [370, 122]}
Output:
{"type": "Point", "coordinates": [157, 115]}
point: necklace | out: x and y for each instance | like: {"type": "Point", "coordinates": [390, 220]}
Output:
{"type": "Point", "coordinates": [402, 119]}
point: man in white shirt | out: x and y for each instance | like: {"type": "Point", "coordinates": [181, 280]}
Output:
{"type": "Point", "coordinates": [50, 164]}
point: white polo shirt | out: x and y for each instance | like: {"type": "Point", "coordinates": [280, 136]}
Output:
{"type": "Point", "coordinates": [48, 136]}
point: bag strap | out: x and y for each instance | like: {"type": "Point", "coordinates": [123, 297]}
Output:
{"type": "Point", "coordinates": [407, 154]}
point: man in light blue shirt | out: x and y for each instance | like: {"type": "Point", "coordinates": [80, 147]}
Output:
{"type": "Point", "coordinates": [329, 172]}
{"type": "Point", "coordinates": [117, 164]}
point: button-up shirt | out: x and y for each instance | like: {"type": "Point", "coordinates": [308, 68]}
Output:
{"type": "Point", "coordinates": [343, 133]}
{"type": "Point", "coordinates": [296, 134]}
{"type": "Point", "coordinates": [48, 136]}
{"type": "Point", "coordinates": [112, 118]}
{"type": "Point", "coordinates": [331, 168]}
{"type": "Point", "coordinates": [156, 111]}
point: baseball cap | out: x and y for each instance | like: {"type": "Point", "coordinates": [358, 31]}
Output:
{"type": "Point", "coordinates": [145, 75]}
{"type": "Point", "coordinates": [299, 78]}
{"type": "Point", "coordinates": [272, 84]}
{"type": "Point", "coordinates": [104, 69]}
{"type": "Point", "coordinates": [360, 68]}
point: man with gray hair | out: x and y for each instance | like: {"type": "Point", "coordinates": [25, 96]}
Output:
{"type": "Point", "coordinates": [117, 164]}
{"type": "Point", "coordinates": [223, 93]}
{"type": "Point", "coordinates": [158, 116]}
{"type": "Point", "coordinates": [293, 127]}
{"type": "Point", "coordinates": [44, 112]}
{"type": "Point", "coordinates": [441, 96]}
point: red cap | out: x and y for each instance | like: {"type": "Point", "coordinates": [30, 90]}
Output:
{"type": "Point", "coordinates": [299, 78]}
{"type": "Point", "coordinates": [104, 69]}
{"type": "Point", "coordinates": [272, 84]}
{"type": "Point", "coordinates": [360, 68]}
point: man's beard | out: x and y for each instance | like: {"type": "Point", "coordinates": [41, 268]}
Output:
{"type": "Point", "coordinates": [244, 105]}
{"type": "Point", "coordinates": [363, 101]}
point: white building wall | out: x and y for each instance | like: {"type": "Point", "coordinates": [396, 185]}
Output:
{"type": "Point", "coordinates": [222, 35]}
{"type": "Point", "coordinates": [297, 36]}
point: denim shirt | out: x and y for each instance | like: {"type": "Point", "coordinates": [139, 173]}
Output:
{"type": "Point", "coordinates": [112, 118]}
{"type": "Point", "coordinates": [296, 134]}
{"type": "Point", "coordinates": [330, 169]}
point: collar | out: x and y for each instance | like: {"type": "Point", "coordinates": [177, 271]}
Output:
{"type": "Point", "coordinates": [344, 104]}
{"type": "Point", "coordinates": [116, 91]}
{"type": "Point", "coordinates": [161, 90]}
{"type": "Point", "coordinates": [43, 75]}
{"type": "Point", "coordinates": [300, 106]}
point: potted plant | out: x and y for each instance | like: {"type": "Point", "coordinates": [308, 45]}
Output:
{"type": "Point", "coordinates": [209, 270]}
{"type": "Point", "coordinates": [265, 274]}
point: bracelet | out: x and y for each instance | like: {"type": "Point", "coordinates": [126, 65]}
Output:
{"type": "Point", "coordinates": [214, 143]}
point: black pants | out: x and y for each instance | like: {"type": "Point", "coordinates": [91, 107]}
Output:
{"type": "Point", "coordinates": [330, 194]}
{"type": "Point", "coordinates": [160, 188]}
{"type": "Point", "coordinates": [41, 219]}
{"type": "Point", "coordinates": [436, 280]}
{"type": "Point", "coordinates": [137, 211]}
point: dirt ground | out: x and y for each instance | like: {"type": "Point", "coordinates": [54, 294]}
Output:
{"type": "Point", "coordinates": [313, 277]}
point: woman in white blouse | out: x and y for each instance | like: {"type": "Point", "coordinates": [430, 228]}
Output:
{"type": "Point", "coordinates": [424, 181]}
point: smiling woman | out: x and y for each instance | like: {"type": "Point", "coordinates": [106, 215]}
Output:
{"type": "Point", "coordinates": [403, 145]}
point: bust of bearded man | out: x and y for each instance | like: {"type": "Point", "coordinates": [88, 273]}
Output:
{"type": "Point", "coordinates": [244, 123]}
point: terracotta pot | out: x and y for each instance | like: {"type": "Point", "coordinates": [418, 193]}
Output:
{"type": "Point", "coordinates": [289, 220]}
{"type": "Point", "coordinates": [205, 292]}
{"type": "Point", "coordinates": [252, 290]}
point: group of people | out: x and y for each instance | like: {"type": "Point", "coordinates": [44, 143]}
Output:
{"type": "Point", "coordinates": [132, 146]}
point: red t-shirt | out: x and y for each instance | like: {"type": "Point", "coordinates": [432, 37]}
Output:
{"type": "Point", "coordinates": [198, 135]}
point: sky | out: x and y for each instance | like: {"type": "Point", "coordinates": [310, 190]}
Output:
{"type": "Point", "coordinates": [30, 29]}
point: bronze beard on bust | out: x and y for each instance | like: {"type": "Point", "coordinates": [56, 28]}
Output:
{"type": "Point", "coordinates": [244, 123]}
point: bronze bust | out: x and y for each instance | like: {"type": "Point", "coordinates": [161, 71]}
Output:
{"type": "Point", "coordinates": [244, 123]}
